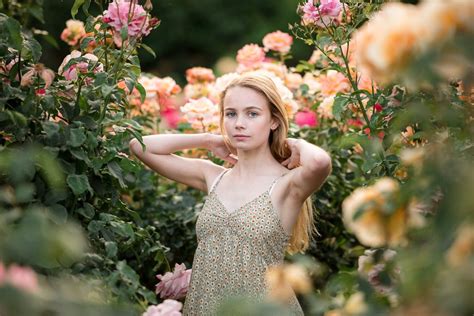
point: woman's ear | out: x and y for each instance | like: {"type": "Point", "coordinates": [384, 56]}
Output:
{"type": "Point", "coordinates": [274, 123]}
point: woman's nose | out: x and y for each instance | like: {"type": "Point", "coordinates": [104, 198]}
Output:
{"type": "Point", "coordinates": [239, 122]}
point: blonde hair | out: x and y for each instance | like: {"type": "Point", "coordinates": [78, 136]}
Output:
{"type": "Point", "coordinates": [304, 228]}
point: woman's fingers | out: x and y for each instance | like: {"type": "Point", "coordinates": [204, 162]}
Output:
{"type": "Point", "coordinates": [231, 158]}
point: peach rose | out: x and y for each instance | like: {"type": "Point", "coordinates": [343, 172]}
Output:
{"type": "Point", "coordinates": [333, 82]}
{"type": "Point", "coordinates": [278, 41]}
{"type": "Point", "coordinates": [202, 113]}
{"type": "Point", "coordinates": [283, 280]}
{"type": "Point", "coordinates": [372, 215]}
{"type": "Point", "coordinates": [250, 54]}
{"type": "Point", "coordinates": [293, 80]}
{"type": "Point", "coordinates": [463, 247]}
{"type": "Point", "coordinates": [325, 107]}
{"type": "Point", "coordinates": [199, 74]}
{"type": "Point", "coordinates": [73, 32]}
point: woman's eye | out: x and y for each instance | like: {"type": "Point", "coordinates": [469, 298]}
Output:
{"type": "Point", "coordinates": [230, 114]}
{"type": "Point", "coordinates": [253, 114]}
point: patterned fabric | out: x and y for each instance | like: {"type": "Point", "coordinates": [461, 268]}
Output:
{"type": "Point", "coordinates": [234, 250]}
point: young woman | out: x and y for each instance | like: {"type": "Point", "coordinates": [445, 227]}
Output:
{"type": "Point", "coordinates": [255, 210]}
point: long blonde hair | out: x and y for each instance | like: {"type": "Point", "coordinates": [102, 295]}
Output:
{"type": "Point", "coordinates": [304, 228]}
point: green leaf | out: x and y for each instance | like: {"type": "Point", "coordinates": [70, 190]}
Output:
{"type": "Point", "coordinates": [85, 7]}
{"type": "Point", "coordinates": [77, 4]}
{"type": "Point", "coordinates": [80, 154]}
{"type": "Point", "coordinates": [50, 128]}
{"type": "Point", "coordinates": [36, 11]}
{"type": "Point", "coordinates": [31, 48]}
{"type": "Point", "coordinates": [130, 83]}
{"type": "Point", "coordinates": [124, 32]}
{"type": "Point", "coordinates": [85, 42]}
{"type": "Point", "coordinates": [149, 50]}
{"type": "Point", "coordinates": [128, 274]}
{"type": "Point", "coordinates": [78, 183]}
{"type": "Point", "coordinates": [106, 90]}
{"type": "Point", "coordinates": [116, 171]}
{"type": "Point", "coordinates": [13, 27]}
{"type": "Point", "coordinates": [76, 137]}
{"type": "Point", "coordinates": [59, 213]}
{"type": "Point", "coordinates": [51, 170]}
{"type": "Point", "coordinates": [51, 40]}
{"type": "Point", "coordinates": [111, 249]}
{"type": "Point", "coordinates": [339, 106]}
{"type": "Point", "coordinates": [24, 192]}
{"type": "Point", "coordinates": [122, 229]}
{"type": "Point", "coordinates": [142, 91]}
{"type": "Point", "coordinates": [16, 118]}
{"type": "Point", "coordinates": [87, 211]}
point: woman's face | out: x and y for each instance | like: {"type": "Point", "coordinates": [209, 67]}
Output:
{"type": "Point", "coordinates": [247, 118]}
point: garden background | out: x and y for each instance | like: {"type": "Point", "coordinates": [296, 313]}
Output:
{"type": "Point", "coordinates": [85, 228]}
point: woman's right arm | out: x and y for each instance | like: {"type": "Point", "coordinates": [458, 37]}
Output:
{"type": "Point", "coordinates": [159, 156]}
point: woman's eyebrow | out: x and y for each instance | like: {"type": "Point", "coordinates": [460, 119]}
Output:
{"type": "Point", "coordinates": [247, 108]}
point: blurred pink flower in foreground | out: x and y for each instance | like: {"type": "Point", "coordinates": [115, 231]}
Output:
{"type": "Point", "coordinates": [278, 41]}
{"type": "Point", "coordinates": [167, 308]}
{"type": "Point", "coordinates": [306, 118]}
{"type": "Point", "coordinates": [122, 13]}
{"type": "Point", "coordinates": [174, 284]}
{"type": "Point", "coordinates": [23, 278]}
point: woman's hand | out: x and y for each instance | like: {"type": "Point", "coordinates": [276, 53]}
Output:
{"type": "Point", "coordinates": [217, 146]}
{"type": "Point", "coordinates": [294, 160]}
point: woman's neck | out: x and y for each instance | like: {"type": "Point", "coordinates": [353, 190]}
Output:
{"type": "Point", "coordinates": [254, 163]}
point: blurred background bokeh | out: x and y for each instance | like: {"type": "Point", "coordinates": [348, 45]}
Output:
{"type": "Point", "coordinates": [204, 33]}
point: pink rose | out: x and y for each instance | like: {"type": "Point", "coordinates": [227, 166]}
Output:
{"type": "Point", "coordinates": [118, 15]}
{"type": "Point", "coordinates": [71, 73]}
{"type": "Point", "coordinates": [199, 74]}
{"type": "Point", "coordinates": [167, 308]}
{"type": "Point", "coordinates": [3, 273]}
{"type": "Point", "coordinates": [355, 123]}
{"type": "Point", "coordinates": [38, 70]}
{"type": "Point", "coordinates": [278, 41]}
{"type": "Point", "coordinates": [250, 54]}
{"type": "Point", "coordinates": [306, 118]}
{"type": "Point", "coordinates": [171, 116]}
{"type": "Point", "coordinates": [322, 15]}
{"type": "Point", "coordinates": [174, 284]}
{"type": "Point", "coordinates": [23, 278]}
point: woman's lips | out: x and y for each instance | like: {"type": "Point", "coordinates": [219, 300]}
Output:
{"type": "Point", "coordinates": [241, 137]}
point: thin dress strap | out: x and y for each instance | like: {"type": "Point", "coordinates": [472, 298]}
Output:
{"type": "Point", "coordinates": [217, 180]}
{"type": "Point", "coordinates": [274, 182]}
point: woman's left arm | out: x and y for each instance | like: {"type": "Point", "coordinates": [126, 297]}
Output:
{"type": "Point", "coordinates": [310, 166]}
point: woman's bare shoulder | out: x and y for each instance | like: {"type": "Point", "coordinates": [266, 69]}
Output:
{"type": "Point", "coordinates": [211, 171]}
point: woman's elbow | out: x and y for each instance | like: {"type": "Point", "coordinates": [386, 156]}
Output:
{"type": "Point", "coordinates": [322, 164]}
